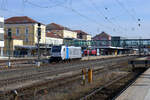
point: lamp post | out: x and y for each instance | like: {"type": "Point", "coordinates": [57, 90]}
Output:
{"type": "Point", "coordinates": [9, 41]}
{"type": "Point", "coordinates": [140, 47]}
{"type": "Point", "coordinates": [39, 37]}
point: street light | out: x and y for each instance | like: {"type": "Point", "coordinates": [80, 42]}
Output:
{"type": "Point", "coordinates": [9, 41]}
{"type": "Point", "coordinates": [39, 37]}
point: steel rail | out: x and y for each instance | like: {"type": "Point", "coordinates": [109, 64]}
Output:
{"type": "Point", "coordinates": [102, 87]}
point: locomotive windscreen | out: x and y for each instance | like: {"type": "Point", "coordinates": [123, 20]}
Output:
{"type": "Point", "coordinates": [56, 49]}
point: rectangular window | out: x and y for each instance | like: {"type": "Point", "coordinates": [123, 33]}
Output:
{"type": "Point", "coordinates": [17, 31]}
{"type": "Point", "coordinates": [56, 49]}
{"type": "Point", "coordinates": [26, 34]}
{"type": "Point", "coordinates": [1, 24]}
{"type": "Point", "coordinates": [26, 30]}
{"type": "Point", "coordinates": [26, 39]}
{"type": "Point", "coordinates": [1, 37]}
{"type": "Point", "coordinates": [7, 30]}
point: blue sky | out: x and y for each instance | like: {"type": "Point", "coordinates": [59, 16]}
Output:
{"type": "Point", "coordinates": [116, 17]}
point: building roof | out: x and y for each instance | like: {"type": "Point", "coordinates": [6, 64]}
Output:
{"type": "Point", "coordinates": [81, 32]}
{"type": "Point", "coordinates": [20, 20]}
{"type": "Point", "coordinates": [51, 34]}
{"type": "Point", "coordinates": [102, 34]}
{"type": "Point", "coordinates": [54, 26]}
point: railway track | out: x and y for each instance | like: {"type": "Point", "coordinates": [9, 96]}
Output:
{"type": "Point", "coordinates": [30, 90]}
{"type": "Point", "coordinates": [114, 87]}
{"type": "Point", "coordinates": [29, 72]}
{"type": "Point", "coordinates": [66, 64]}
{"type": "Point", "coordinates": [105, 66]}
{"type": "Point", "coordinates": [18, 64]}
{"type": "Point", "coordinates": [42, 74]}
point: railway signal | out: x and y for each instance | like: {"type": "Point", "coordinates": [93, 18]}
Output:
{"type": "Point", "coordinates": [39, 31]}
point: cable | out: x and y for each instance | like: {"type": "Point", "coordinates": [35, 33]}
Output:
{"type": "Point", "coordinates": [4, 8]}
{"type": "Point", "coordinates": [131, 15]}
{"type": "Point", "coordinates": [105, 17]}
{"type": "Point", "coordinates": [23, 6]}
{"type": "Point", "coordinates": [39, 6]}
{"type": "Point", "coordinates": [114, 18]}
{"type": "Point", "coordinates": [3, 4]}
{"type": "Point", "coordinates": [123, 7]}
{"type": "Point", "coordinates": [71, 9]}
{"type": "Point", "coordinates": [89, 19]}
{"type": "Point", "coordinates": [20, 13]}
{"type": "Point", "coordinates": [100, 12]}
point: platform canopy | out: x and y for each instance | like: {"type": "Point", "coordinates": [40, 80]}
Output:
{"type": "Point", "coordinates": [26, 47]}
{"type": "Point", "coordinates": [124, 43]}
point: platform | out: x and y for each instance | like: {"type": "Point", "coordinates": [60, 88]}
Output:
{"type": "Point", "coordinates": [142, 60]}
{"type": "Point", "coordinates": [102, 57]}
{"type": "Point", "coordinates": [83, 58]}
{"type": "Point", "coordinates": [139, 90]}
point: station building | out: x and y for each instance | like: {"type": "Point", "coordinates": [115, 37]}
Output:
{"type": "Point", "coordinates": [1, 35]}
{"type": "Point", "coordinates": [63, 32]}
{"type": "Point", "coordinates": [24, 35]}
{"type": "Point", "coordinates": [109, 45]}
{"type": "Point", "coordinates": [51, 40]}
{"type": "Point", "coordinates": [83, 35]}
{"type": "Point", "coordinates": [104, 48]}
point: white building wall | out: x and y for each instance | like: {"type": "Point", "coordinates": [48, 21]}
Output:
{"type": "Point", "coordinates": [43, 33]}
{"type": "Point", "coordinates": [1, 35]}
{"type": "Point", "coordinates": [69, 34]}
{"type": "Point", "coordinates": [53, 41]}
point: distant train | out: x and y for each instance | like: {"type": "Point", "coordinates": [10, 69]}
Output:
{"type": "Point", "coordinates": [65, 53]}
{"type": "Point", "coordinates": [90, 52]}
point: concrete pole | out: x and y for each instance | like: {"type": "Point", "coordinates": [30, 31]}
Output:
{"type": "Point", "coordinates": [83, 75]}
{"type": "Point", "coordinates": [9, 63]}
{"type": "Point", "coordinates": [1, 51]}
{"type": "Point", "coordinates": [39, 37]}
{"type": "Point", "coordinates": [38, 63]}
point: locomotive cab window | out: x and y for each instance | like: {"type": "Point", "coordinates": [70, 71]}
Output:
{"type": "Point", "coordinates": [56, 49]}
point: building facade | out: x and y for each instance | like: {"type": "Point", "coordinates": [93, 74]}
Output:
{"type": "Point", "coordinates": [62, 31]}
{"type": "Point", "coordinates": [83, 35]}
{"type": "Point", "coordinates": [117, 41]}
{"type": "Point", "coordinates": [24, 31]}
{"type": "Point", "coordinates": [1, 35]}
{"type": "Point", "coordinates": [102, 36]}
{"type": "Point", "coordinates": [53, 39]}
